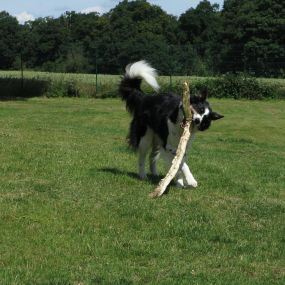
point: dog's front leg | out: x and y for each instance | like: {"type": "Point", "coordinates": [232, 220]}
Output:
{"type": "Point", "coordinates": [184, 170]}
{"type": "Point", "coordinates": [168, 155]}
{"type": "Point", "coordinates": [190, 180]}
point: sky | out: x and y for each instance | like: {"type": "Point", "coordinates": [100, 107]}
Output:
{"type": "Point", "coordinates": [26, 10]}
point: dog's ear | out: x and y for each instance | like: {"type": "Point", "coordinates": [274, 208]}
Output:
{"type": "Point", "coordinates": [204, 94]}
{"type": "Point", "coordinates": [216, 116]}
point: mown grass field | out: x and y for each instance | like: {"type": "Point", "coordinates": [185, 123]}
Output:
{"type": "Point", "coordinates": [72, 210]}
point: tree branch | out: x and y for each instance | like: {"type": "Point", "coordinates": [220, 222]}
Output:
{"type": "Point", "coordinates": [176, 162]}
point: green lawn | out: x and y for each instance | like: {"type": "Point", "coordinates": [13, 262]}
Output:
{"type": "Point", "coordinates": [72, 210]}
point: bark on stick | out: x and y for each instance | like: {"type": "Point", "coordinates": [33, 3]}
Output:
{"type": "Point", "coordinates": [176, 162]}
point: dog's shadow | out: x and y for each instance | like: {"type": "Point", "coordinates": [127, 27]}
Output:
{"type": "Point", "coordinates": [153, 179]}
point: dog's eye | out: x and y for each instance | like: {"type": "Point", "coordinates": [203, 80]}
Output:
{"type": "Point", "coordinates": [202, 109]}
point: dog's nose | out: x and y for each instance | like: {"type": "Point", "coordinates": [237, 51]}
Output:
{"type": "Point", "coordinates": [197, 121]}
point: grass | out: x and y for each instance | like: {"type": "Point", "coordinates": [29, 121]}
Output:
{"type": "Point", "coordinates": [72, 210]}
{"type": "Point", "coordinates": [113, 80]}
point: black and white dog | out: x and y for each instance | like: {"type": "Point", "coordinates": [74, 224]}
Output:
{"type": "Point", "coordinates": [156, 124]}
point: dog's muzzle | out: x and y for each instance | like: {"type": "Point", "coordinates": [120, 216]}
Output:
{"type": "Point", "coordinates": [205, 124]}
{"type": "Point", "coordinates": [197, 121]}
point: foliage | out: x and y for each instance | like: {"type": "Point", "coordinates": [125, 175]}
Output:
{"type": "Point", "coordinates": [243, 36]}
{"type": "Point", "coordinates": [240, 87]}
{"type": "Point", "coordinates": [138, 30]}
{"type": "Point", "coordinates": [9, 40]}
{"type": "Point", "coordinates": [200, 27]}
{"type": "Point", "coordinates": [253, 37]}
{"type": "Point", "coordinates": [237, 86]}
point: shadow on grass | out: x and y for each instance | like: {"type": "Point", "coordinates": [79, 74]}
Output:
{"type": "Point", "coordinates": [18, 89]}
{"type": "Point", "coordinates": [3, 99]}
{"type": "Point", "coordinates": [150, 178]}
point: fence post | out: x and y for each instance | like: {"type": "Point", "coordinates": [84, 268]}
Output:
{"type": "Point", "coordinates": [22, 72]}
{"type": "Point", "coordinates": [96, 77]}
{"type": "Point", "coordinates": [170, 82]}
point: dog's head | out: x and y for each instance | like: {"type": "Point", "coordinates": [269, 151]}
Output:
{"type": "Point", "coordinates": [203, 114]}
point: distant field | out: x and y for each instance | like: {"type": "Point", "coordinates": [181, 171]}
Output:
{"type": "Point", "coordinates": [90, 78]}
{"type": "Point", "coordinates": [73, 211]}
{"type": "Point", "coordinates": [84, 85]}
{"type": "Point", "coordinates": [103, 79]}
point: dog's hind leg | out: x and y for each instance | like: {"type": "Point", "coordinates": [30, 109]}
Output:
{"type": "Point", "coordinates": [144, 146]}
{"type": "Point", "coordinates": [154, 155]}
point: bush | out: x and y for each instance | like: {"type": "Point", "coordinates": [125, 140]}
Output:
{"type": "Point", "coordinates": [228, 86]}
{"type": "Point", "coordinates": [63, 89]}
{"type": "Point", "coordinates": [239, 87]}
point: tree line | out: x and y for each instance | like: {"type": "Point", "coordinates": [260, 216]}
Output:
{"type": "Point", "coordinates": [243, 36]}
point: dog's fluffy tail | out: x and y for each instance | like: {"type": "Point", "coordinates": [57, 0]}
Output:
{"type": "Point", "coordinates": [130, 90]}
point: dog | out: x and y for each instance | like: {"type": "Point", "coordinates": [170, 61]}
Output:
{"type": "Point", "coordinates": [156, 124]}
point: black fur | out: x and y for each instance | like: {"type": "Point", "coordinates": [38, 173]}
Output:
{"type": "Point", "coordinates": [155, 110]}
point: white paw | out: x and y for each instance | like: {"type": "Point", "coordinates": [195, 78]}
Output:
{"type": "Point", "coordinates": [180, 183]}
{"type": "Point", "coordinates": [193, 183]}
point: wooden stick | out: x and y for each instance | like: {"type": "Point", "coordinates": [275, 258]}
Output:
{"type": "Point", "coordinates": [176, 162]}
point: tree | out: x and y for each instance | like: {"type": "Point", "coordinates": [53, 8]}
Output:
{"type": "Point", "coordinates": [10, 40]}
{"type": "Point", "coordinates": [253, 38]}
{"type": "Point", "coordinates": [246, 35]}
{"type": "Point", "coordinates": [200, 27]}
{"type": "Point", "coordinates": [137, 30]}
{"type": "Point", "coordinates": [45, 43]}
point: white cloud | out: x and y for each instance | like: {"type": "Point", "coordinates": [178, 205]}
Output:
{"type": "Point", "coordinates": [98, 9]}
{"type": "Point", "coordinates": [24, 16]}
